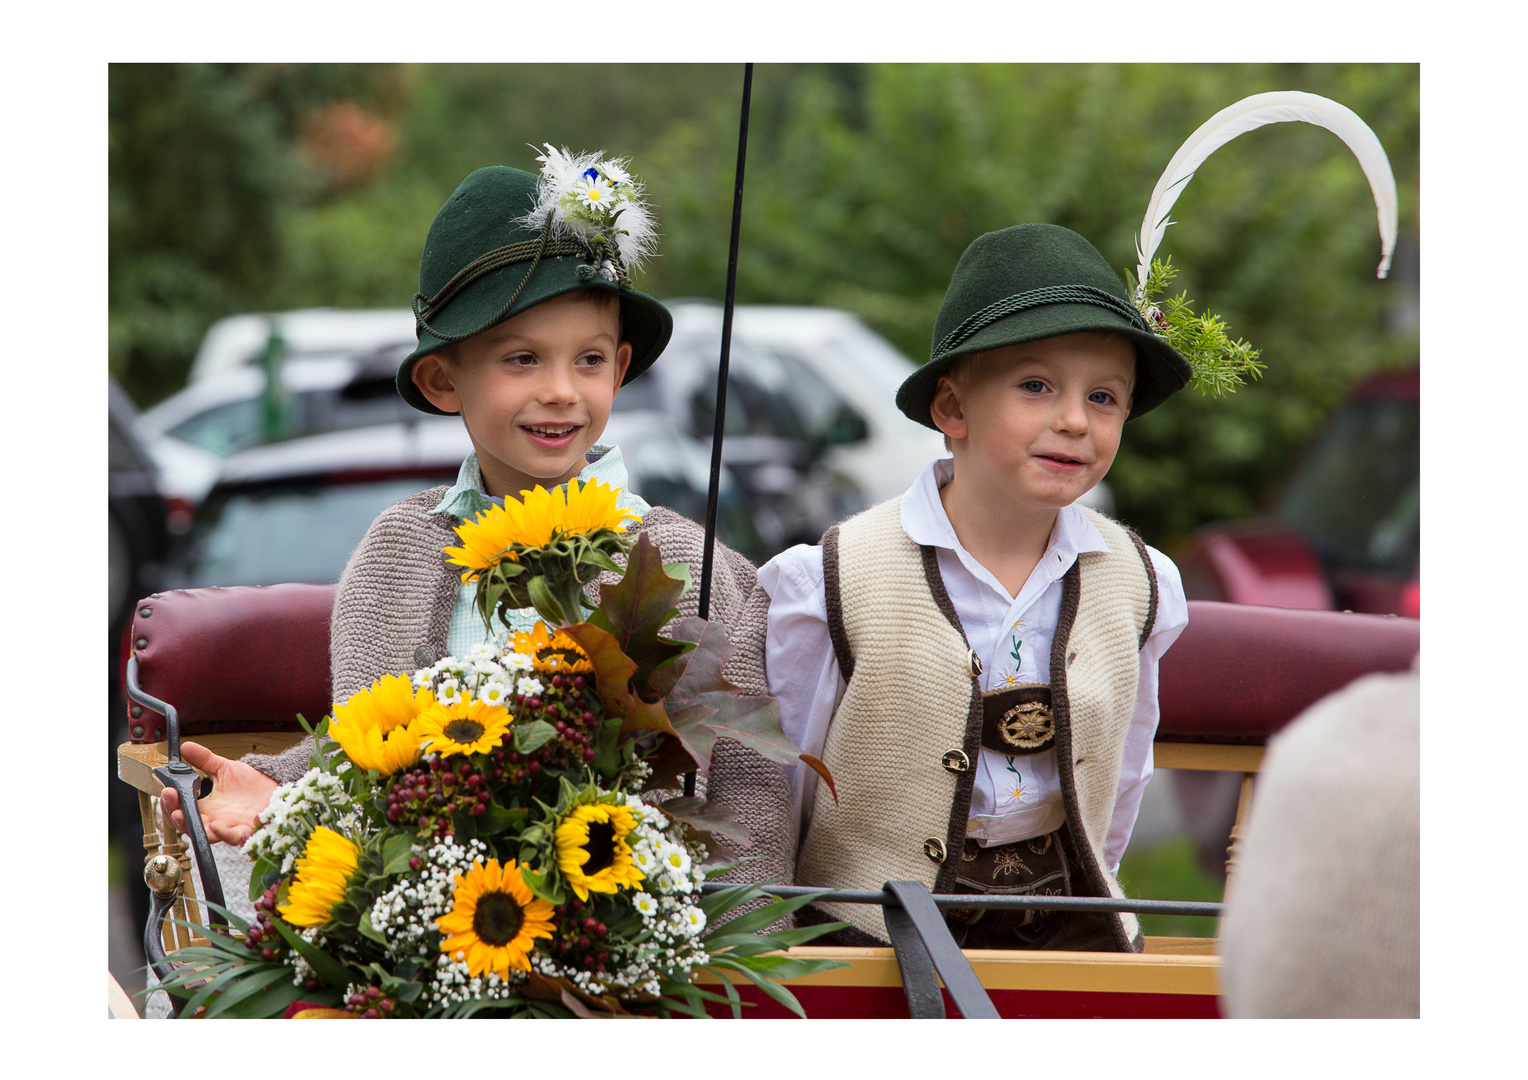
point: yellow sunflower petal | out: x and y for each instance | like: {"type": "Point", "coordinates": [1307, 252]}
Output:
{"type": "Point", "coordinates": [499, 919]}
{"type": "Point", "coordinates": [324, 870]}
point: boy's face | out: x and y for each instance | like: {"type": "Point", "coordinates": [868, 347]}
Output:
{"type": "Point", "coordinates": [1036, 425]}
{"type": "Point", "coordinates": [535, 391]}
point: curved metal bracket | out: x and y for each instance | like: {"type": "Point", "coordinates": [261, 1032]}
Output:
{"type": "Point", "coordinates": [184, 779]}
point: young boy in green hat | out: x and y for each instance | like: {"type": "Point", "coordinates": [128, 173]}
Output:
{"type": "Point", "coordinates": [528, 327]}
{"type": "Point", "coordinates": [976, 661]}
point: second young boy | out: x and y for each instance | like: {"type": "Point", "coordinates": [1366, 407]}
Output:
{"type": "Point", "coordinates": [976, 662]}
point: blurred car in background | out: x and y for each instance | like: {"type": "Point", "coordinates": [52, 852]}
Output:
{"type": "Point", "coordinates": [311, 333]}
{"type": "Point", "coordinates": [1343, 534]}
{"type": "Point", "coordinates": [294, 511]}
{"type": "Point", "coordinates": [193, 430]}
{"type": "Point", "coordinates": [136, 535]}
{"type": "Point", "coordinates": [1345, 531]}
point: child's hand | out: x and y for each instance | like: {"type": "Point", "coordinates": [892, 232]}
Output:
{"type": "Point", "coordinates": [239, 794]}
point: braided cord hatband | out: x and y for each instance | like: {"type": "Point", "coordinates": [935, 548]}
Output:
{"type": "Point", "coordinates": [1050, 294]}
{"type": "Point", "coordinates": [534, 250]}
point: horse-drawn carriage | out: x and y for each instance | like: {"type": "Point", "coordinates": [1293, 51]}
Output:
{"type": "Point", "coordinates": [233, 668]}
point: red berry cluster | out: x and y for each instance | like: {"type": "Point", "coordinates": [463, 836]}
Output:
{"type": "Point", "coordinates": [262, 935]}
{"type": "Point", "coordinates": [565, 706]}
{"type": "Point", "coordinates": [428, 795]}
{"type": "Point", "coordinates": [580, 937]}
{"type": "Point", "coordinates": [369, 1004]}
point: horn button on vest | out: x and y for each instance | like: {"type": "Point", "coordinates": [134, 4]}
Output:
{"type": "Point", "coordinates": [955, 761]}
{"type": "Point", "coordinates": [933, 847]}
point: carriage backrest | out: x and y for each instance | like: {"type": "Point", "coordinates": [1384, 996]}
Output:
{"type": "Point", "coordinates": [245, 658]}
{"type": "Point", "coordinates": [249, 658]}
{"type": "Point", "coordinates": [1240, 672]}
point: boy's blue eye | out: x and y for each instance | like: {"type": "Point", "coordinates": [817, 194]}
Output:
{"type": "Point", "coordinates": [1034, 386]}
{"type": "Point", "coordinates": [1101, 397]}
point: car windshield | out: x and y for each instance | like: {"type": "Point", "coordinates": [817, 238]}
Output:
{"type": "Point", "coordinates": [1358, 496]}
{"type": "Point", "coordinates": [297, 531]}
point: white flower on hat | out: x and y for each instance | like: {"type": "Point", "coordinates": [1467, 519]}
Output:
{"type": "Point", "coordinates": [594, 193]}
{"type": "Point", "coordinates": [596, 199]}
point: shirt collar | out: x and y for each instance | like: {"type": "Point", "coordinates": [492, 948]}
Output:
{"type": "Point", "coordinates": [925, 522]}
{"type": "Point", "coordinates": [467, 497]}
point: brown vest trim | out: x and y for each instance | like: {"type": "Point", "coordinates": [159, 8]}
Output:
{"type": "Point", "coordinates": [1071, 596]}
{"type": "Point", "coordinates": [960, 806]}
{"type": "Point", "coordinates": [1151, 580]}
{"type": "Point", "coordinates": [834, 597]}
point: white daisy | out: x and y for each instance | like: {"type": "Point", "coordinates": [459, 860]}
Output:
{"type": "Point", "coordinates": [646, 905]}
{"type": "Point", "coordinates": [594, 194]}
{"type": "Point", "coordinates": [695, 920]}
{"type": "Point", "coordinates": [493, 692]}
{"type": "Point", "coordinates": [674, 858]}
{"type": "Point", "coordinates": [514, 661]}
{"type": "Point", "coordinates": [480, 652]}
{"type": "Point", "coordinates": [449, 692]}
{"type": "Point", "coordinates": [529, 687]}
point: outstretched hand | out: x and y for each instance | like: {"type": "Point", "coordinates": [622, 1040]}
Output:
{"type": "Point", "coordinates": [239, 794]}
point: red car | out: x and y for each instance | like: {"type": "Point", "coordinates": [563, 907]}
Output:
{"type": "Point", "coordinates": [1344, 533]}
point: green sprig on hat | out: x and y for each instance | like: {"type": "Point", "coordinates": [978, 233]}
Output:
{"type": "Point", "coordinates": [1218, 363]}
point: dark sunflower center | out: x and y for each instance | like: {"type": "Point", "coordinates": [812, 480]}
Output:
{"type": "Point", "coordinates": [601, 847]}
{"type": "Point", "coordinates": [497, 919]}
{"type": "Point", "coordinates": [463, 731]}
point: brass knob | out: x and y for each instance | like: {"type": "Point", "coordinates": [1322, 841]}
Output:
{"type": "Point", "coordinates": [162, 875]}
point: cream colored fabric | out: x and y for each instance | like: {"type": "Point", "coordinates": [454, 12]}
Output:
{"type": "Point", "coordinates": [1323, 916]}
{"type": "Point", "coordinates": [910, 696]}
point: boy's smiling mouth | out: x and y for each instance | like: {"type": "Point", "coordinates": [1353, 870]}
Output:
{"type": "Point", "coordinates": [1060, 459]}
{"type": "Point", "coordinates": [551, 434]}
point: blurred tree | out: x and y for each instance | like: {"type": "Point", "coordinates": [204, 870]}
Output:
{"type": "Point", "coordinates": [280, 186]}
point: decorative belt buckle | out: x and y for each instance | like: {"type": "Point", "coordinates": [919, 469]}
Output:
{"type": "Point", "coordinates": [1027, 726]}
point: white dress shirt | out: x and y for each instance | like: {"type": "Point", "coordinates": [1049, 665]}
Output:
{"type": "Point", "coordinates": [1013, 798]}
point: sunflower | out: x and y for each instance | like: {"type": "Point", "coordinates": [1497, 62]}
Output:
{"type": "Point", "coordinates": [592, 852]}
{"type": "Point", "coordinates": [551, 654]}
{"type": "Point", "coordinates": [327, 864]}
{"type": "Point", "coordinates": [534, 522]}
{"type": "Point", "coordinates": [465, 727]}
{"type": "Point", "coordinates": [373, 726]}
{"type": "Point", "coordinates": [494, 919]}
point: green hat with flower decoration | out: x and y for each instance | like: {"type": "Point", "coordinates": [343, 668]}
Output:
{"type": "Point", "coordinates": [1029, 282]}
{"type": "Point", "coordinates": [507, 240]}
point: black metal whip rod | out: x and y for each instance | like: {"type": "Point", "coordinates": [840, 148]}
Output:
{"type": "Point", "coordinates": [714, 492]}
{"type": "Point", "coordinates": [980, 900]}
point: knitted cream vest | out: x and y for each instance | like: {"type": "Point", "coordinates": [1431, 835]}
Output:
{"type": "Point", "coordinates": [912, 696]}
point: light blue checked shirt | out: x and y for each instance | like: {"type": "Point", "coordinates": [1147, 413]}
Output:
{"type": "Point", "coordinates": [466, 498]}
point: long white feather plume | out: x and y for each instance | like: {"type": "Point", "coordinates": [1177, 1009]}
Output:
{"type": "Point", "coordinates": [1279, 106]}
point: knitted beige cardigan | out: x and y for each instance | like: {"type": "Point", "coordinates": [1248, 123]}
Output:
{"type": "Point", "coordinates": [913, 697]}
{"type": "Point", "coordinates": [397, 593]}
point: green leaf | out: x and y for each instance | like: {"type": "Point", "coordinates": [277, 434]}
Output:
{"type": "Point", "coordinates": [533, 735]}
{"type": "Point", "coordinates": [680, 572]}
{"type": "Point", "coordinates": [262, 876]}
{"type": "Point", "coordinates": [410, 990]}
{"type": "Point", "coordinates": [273, 1001]}
{"type": "Point", "coordinates": [397, 850]}
{"type": "Point", "coordinates": [324, 966]}
{"type": "Point", "coordinates": [544, 602]}
{"type": "Point", "coordinates": [778, 992]}
{"type": "Point", "coordinates": [256, 982]}
{"type": "Point", "coordinates": [367, 930]}
{"type": "Point", "coordinates": [500, 819]}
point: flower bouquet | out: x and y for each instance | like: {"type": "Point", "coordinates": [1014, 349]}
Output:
{"type": "Point", "coordinates": [488, 835]}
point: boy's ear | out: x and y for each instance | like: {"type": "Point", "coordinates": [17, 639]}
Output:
{"type": "Point", "coordinates": [622, 362]}
{"type": "Point", "coordinates": [433, 378]}
{"type": "Point", "coordinates": [945, 409]}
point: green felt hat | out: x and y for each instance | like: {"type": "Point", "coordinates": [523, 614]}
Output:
{"type": "Point", "coordinates": [484, 263]}
{"type": "Point", "coordinates": [1030, 282]}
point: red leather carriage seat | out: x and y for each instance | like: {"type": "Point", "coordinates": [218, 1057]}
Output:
{"type": "Point", "coordinates": [246, 658]}
{"type": "Point", "coordinates": [252, 657]}
{"type": "Point", "coordinates": [1240, 672]}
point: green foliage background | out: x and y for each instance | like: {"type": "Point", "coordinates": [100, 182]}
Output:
{"type": "Point", "coordinates": [865, 183]}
